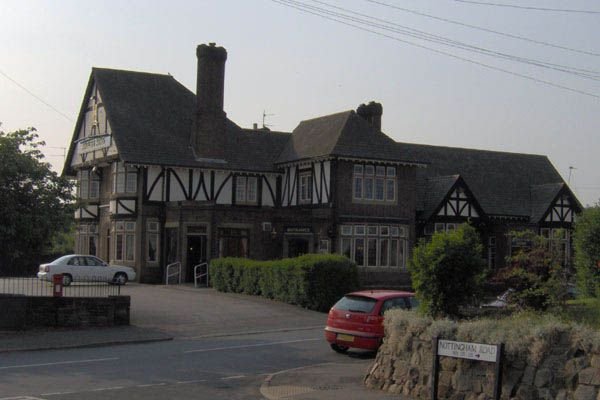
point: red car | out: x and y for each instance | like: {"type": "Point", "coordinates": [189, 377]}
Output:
{"type": "Point", "coordinates": [356, 320]}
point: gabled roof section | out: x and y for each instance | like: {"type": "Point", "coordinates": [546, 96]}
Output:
{"type": "Point", "coordinates": [151, 116]}
{"type": "Point", "coordinates": [542, 198]}
{"type": "Point", "coordinates": [500, 182]}
{"type": "Point", "coordinates": [432, 191]}
{"type": "Point", "coordinates": [344, 134]}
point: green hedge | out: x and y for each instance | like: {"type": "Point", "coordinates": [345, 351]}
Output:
{"type": "Point", "coordinates": [314, 281]}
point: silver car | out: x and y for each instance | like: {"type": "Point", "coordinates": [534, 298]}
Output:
{"type": "Point", "coordinates": [85, 268]}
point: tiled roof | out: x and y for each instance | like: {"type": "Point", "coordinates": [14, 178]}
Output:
{"type": "Point", "coordinates": [501, 182]}
{"type": "Point", "coordinates": [151, 118]}
{"type": "Point", "coordinates": [541, 198]}
{"type": "Point", "coordinates": [431, 192]}
{"type": "Point", "coordinates": [344, 134]}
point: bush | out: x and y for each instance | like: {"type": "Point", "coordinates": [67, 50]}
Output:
{"type": "Point", "coordinates": [586, 240]}
{"type": "Point", "coordinates": [314, 281]}
{"type": "Point", "coordinates": [535, 273]}
{"type": "Point", "coordinates": [448, 272]}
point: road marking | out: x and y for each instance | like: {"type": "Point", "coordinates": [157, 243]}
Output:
{"type": "Point", "coordinates": [188, 382]}
{"type": "Point", "coordinates": [61, 363]}
{"type": "Point", "coordinates": [233, 377]}
{"type": "Point", "coordinates": [249, 333]}
{"type": "Point", "coordinates": [21, 398]}
{"type": "Point", "coordinates": [247, 346]}
{"type": "Point", "coordinates": [152, 384]}
{"type": "Point", "coordinates": [107, 388]}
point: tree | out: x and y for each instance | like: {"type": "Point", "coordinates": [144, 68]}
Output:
{"type": "Point", "coordinates": [536, 272]}
{"type": "Point", "coordinates": [36, 203]}
{"type": "Point", "coordinates": [586, 239]}
{"type": "Point", "coordinates": [448, 272]}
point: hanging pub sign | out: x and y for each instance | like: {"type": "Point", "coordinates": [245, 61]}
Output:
{"type": "Point", "coordinates": [491, 353]}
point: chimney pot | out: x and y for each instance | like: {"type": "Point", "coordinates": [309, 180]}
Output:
{"type": "Point", "coordinates": [372, 113]}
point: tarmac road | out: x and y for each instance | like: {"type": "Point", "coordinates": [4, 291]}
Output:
{"type": "Point", "coordinates": [224, 346]}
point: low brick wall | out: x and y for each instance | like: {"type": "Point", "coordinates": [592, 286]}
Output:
{"type": "Point", "coordinates": [26, 312]}
{"type": "Point", "coordinates": [558, 363]}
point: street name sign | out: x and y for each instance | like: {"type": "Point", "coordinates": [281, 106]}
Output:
{"type": "Point", "coordinates": [470, 351]}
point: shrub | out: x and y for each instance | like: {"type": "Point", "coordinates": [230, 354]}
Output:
{"type": "Point", "coordinates": [535, 273]}
{"type": "Point", "coordinates": [586, 240]}
{"type": "Point", "coordinates": [314, 281]}
{"type": "Point", "coordinates": [448, 272]}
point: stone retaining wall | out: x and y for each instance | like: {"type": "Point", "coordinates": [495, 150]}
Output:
{"type": "Point", "coordinates": [564, 367]}
{"type": "Point", "coordinates": [26, 312]}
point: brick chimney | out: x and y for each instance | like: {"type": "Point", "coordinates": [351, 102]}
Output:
{"type": "Point", "coordinates": [371, 112]}
{"type": "Point", "coordinates": [208, 135]}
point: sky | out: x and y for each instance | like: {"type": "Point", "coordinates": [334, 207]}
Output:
{"type": "Point", "coordinates": [516, 76]}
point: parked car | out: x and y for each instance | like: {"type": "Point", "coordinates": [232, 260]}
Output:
{"type": "Point", "coordinates": [356, 320]}
{"type": "Point", "coordinates": [85, 268]}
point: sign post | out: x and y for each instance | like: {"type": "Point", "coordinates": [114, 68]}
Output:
{"type": "Point", "coordinates": [469, 351]}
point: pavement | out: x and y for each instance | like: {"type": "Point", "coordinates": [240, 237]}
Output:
{"type": "Point", "coordinates": [321, 381]}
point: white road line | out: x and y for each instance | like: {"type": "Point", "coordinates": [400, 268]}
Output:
{"type": "Point", "coordinates": [56, 393]}
{"type": "Point", "coordinates": [60, 363]}
{"type": "Point", "coordinates": [187, 382]}
{"type": "Point", "coordinates": [247, 346]}
{"type": "Point", "coordinates": [151, 384]}
{"type": "Point", "coordinates": [107, 388]}
{"type": "Point", "coordinates": [233, 377]}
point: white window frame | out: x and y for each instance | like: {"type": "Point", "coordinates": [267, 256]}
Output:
{"type": "Point", "coordinates": [125, 178]}
{"type": "Point", "coordinates": [305, 187]}
{"type": "Point", "coordinates": [126, 231]}
{"type": "Point", "coordinates": [374, 183]}
{"type": "Point", "coordinates": [246, 190]}
{"type": "Point", "coordinates": [152, 233]}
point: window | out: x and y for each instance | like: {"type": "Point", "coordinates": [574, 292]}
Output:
{"type": "Point", "coordinates": [305, 189]}
{"type": "Point", "coordinates": [559, 240]}
{"type": "Point", "coordinates": [88, 184]}
{"type": "Point", "coordinates": [492, 252]}
{"type": "Point", "coordinates": [324, 246]}
{"type": "Point", "coordinates": [233, 242]}
{"type": "Point", "coordinates": [152, 237]}
{"type": "Point", "coordinates": [374, 245]}
{"type": "Point", "coordinates": [346, 247]}
{"type": "Point", "coordinates": [246, 190]}
{"type": "Point", "coordinates": [374, 183]}
{"type": "Point", "coordinates": [87, 239]}
{"type": "Point", "coordinates": [125, 241]}
{"type": "Point", "coordinates": [124, 178]}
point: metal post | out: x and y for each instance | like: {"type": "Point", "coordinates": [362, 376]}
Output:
{"type": "Point", "coordinates": [498, 380]}
{"type": "Point", "coordinates": [435, 368]}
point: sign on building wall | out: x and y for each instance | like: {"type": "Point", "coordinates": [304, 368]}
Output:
{"type": "Point", "coordinates": [94, 143]}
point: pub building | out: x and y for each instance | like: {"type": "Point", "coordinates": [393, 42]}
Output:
{"type": "Point", "coordinates": [164, 176]}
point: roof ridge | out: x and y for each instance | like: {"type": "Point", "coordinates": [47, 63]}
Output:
{"type": "Point", "coordinates": [326, 116]}
{"type": "Point", "coordinates": [131, 72]}
{"type": "Point", "coordinates": [473, 150]}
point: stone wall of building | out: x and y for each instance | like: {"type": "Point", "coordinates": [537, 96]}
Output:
{"type": "Point", "coordinates": [561, 363]}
